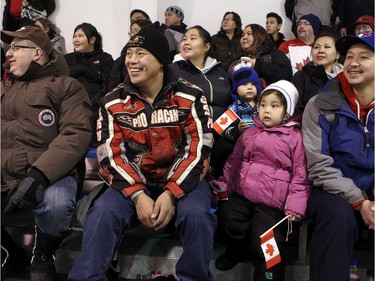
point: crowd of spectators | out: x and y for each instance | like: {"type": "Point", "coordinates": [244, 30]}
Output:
{"type": "Point", "coordinates": [150, 114]}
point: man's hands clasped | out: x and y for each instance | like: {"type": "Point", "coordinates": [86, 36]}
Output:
{"type": "Point", "coordinates": [155, 214]}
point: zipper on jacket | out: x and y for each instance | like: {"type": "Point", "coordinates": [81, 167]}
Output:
{"type": "Point", "coordinates": [211, 90]}
{"type": "Point", "coordinates": [367, 137]}
{"type": "Point", "coordinates": [367, 133]}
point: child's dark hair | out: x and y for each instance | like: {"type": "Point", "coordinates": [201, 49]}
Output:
{"type": "Point", "coordinates": [279, 95]}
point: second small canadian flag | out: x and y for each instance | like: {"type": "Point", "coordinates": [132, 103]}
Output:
{"type": "Point", "coordinates": [270, 249]}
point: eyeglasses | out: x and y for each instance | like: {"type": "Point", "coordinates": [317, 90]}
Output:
{"type": "Point", "coordinates": [14, 48]}
{"type": "Point", "coordinates": [133, 32]}
{"type": "Point", "coordinates": [303, 22]}
{"type": "Point", "coordinates": [363, 27]}
{"type": "Point", "coordinates": [227, 20]}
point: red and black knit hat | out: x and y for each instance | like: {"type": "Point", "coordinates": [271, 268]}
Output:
{"type": "Point", "coordinates": [369, 20]}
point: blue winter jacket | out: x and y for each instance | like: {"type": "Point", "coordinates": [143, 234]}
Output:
{"type": "Point", "coordinates": [339, 147]}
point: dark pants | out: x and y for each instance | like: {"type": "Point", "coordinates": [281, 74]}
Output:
{"type": "Point", "coordinates": [241, 223]}
{"type": "Point", "coordinates": [221, 150]}
{"type": "Point", "coordinates": [333, 236]}
{"type": "Point", "coordinates": [113, 213]}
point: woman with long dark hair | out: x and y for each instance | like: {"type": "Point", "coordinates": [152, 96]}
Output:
{"type": "Point", "coordinates": [90, 65]}
{"type": "Point", "coordinates": [196, 66]}
{"type": "Point", "coordinates": [258, 50]}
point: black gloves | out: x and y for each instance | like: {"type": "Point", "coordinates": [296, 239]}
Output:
{"type": "Point", "coordinates": [29, 190]}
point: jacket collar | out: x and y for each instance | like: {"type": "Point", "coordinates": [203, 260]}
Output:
{"type": "Point", "coordinates": [330, 97]}
{"type": "Point", "coordinates": [283, 128]}
{"type": "Point", "coordinates": [210, 63]}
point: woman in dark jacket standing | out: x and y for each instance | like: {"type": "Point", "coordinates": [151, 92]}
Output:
{"type": "Point", "coordinates": [226, 43]}
{"type": "Point", "coordinates": [196, 66]}
{"type": "Point", "coordinates": [90, 65]}
{"type": "Point", "coordinates": [270, 64]}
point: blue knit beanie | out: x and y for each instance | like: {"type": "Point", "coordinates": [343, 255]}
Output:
{"type": "Point", "coordinates": [314, 21]}
{"type": "Point", "coordinates": [244, 75]}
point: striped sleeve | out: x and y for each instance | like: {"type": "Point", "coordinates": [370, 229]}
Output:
{"type": "Point", "coordinates": [128, 177]}
{"type": "Point", "coordinates": [191, 162]}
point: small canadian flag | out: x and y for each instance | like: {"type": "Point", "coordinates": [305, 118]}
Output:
{"type": "Point", "coordinates": [224, 121]}
{"type": "Point", "coordinates": [270, 249]}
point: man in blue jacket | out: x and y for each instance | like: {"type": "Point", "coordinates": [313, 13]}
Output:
{"type": "Point", "coordinates": [338, 134]}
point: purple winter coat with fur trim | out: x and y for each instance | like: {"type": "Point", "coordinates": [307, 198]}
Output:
{"type": "Point", "coordinates": [268, 166]}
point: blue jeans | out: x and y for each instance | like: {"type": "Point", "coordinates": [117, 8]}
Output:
{"type": "Point", "coordinates": [54, 213]}
{"type": "Point", "coordinates": [113, 213]}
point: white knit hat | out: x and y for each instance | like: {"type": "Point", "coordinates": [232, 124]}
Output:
{"type": "Point", "coordinates": [288, 90]}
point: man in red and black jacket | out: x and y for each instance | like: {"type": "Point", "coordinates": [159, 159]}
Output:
{"type": "Point", "coordinates": [157, 138]}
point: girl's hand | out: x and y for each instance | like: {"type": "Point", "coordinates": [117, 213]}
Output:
{"type": "Point", "coordinates": [292, 218]}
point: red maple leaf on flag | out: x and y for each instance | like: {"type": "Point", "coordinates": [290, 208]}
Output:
{"type": "Point", "coordinates": [223, 120]}
{"type": "Point", "coordinates": [365, 34]}
{"type": "Point", "coordinates": [270, 249]}
{"type": "Point", "coordinates": [304, 62]}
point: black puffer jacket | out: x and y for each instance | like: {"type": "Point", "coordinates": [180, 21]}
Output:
{"type": "Point", "coordinates": [224, 49]}
{"type": "Point", "coordinates": [92, 70]}
{"type": "Point", "coordinates": [271, 65]}
{"type": "Point", "coordinates": [213, 80]}
{"type": "Point", "coordinates": [309, 81]}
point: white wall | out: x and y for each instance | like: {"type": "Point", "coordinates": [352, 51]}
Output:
{"type": "Point", "coordinates": [111, 17]}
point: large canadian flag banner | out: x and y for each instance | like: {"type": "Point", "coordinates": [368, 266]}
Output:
{"type": "Point", "coordinates": [270, 249]}
{"type": "Point", "coordinates": [225, 120]}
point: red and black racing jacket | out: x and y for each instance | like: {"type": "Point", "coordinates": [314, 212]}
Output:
{"type": "Point", "coordinates": [169, 141]}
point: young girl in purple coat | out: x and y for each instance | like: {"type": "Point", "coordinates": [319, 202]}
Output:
{"type": "Point", "coordinates": [266, 179]}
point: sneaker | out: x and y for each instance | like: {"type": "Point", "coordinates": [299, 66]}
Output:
{"type": "Point", "coordinates": [43, 269]}
{"type": "Point", "coordinates": [225, 263]}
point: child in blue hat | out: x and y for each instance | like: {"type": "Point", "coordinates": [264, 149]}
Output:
{"type": "Point", "coordinates": [245, 91]}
